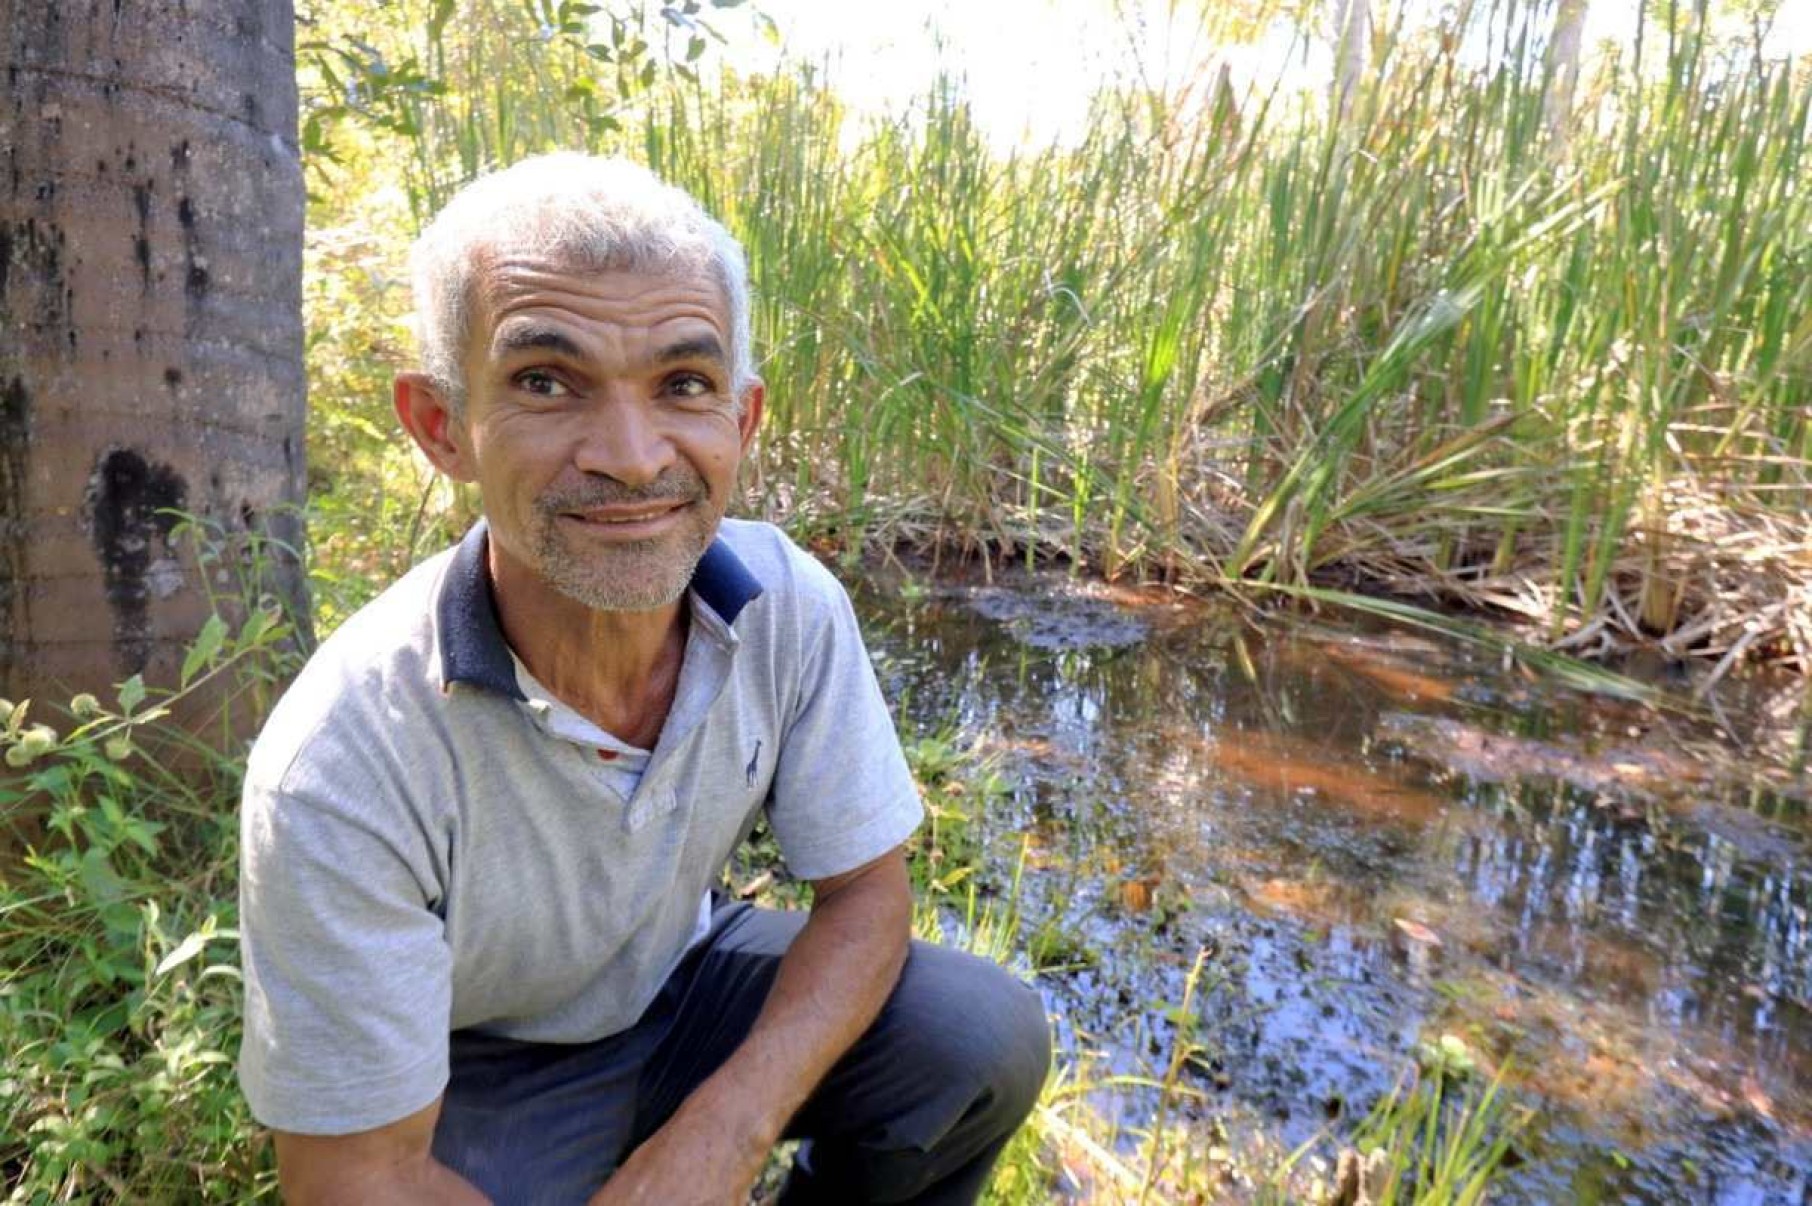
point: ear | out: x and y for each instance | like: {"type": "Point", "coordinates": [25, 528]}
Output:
{"type": "Point", "coordinates": [427, 415]}
{"type": "Point", "coordinates": [753, 397]}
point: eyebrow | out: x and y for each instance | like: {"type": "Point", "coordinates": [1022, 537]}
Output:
{"type": "Point", "coordinates": [527, 338]}
{"type": "Point", "coordinates": [702, 347]}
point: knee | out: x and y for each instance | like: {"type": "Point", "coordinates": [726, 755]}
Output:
{"type": "Point", "coordinates": [994, 1035]}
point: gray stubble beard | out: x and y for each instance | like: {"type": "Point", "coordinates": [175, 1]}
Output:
{"type": "Point", "coordinates": [591, 580]}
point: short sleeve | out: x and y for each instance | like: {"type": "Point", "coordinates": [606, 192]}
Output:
{"type": "Point", "coordinates": [347, 970]}
{"type": "Point", "coordinates": [842, 795]}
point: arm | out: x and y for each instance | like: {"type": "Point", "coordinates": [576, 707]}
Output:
{"type": "Point", "coordinates": [388, 1166]}
{"type": "Point", "coordinates": [831, 983]}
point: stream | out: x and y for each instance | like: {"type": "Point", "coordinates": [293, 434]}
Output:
{"type": "Point", "coordinates": [1378, 838]}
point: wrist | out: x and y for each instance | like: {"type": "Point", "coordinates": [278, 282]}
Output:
{"type": "Point", "coordinates": [738, 1110]}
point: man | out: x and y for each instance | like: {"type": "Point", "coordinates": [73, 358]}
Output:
{"type": "Point", "coordinates": [482, 957]}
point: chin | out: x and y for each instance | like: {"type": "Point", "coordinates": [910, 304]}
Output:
{"type": "Point", "coordinates": [643, 580]}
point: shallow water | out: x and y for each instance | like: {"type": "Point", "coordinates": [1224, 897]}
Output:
{"type": "Point", "coordinates": [1379, 839]}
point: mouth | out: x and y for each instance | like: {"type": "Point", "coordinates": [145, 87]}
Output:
{"type": "Point", "coordinates": [628, 520]}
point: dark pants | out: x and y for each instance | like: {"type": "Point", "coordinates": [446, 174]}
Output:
{"type": "Point", "coordinates": [917, 1111]}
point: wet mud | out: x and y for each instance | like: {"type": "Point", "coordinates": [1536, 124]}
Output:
{"type": "Point", "coordinates": [1379, 839]}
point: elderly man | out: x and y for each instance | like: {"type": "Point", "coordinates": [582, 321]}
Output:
{"type": "Point", "coordinates": [483, 957]}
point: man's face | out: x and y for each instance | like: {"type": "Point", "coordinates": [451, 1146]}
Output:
{"type": "Point", "coordinates": [601, 428]}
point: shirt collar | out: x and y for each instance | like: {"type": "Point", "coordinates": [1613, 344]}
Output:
{"type": "Point", "coordinates": [472, 648]}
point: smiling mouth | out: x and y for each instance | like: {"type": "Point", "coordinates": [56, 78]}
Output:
{"type": "Point", "coordinates": [628, 519]}
{"type": "Point", "coordinates": [627, 515]}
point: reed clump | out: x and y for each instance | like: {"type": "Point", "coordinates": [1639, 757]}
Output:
{"type": "Point", "coordinates": [1466, 345]}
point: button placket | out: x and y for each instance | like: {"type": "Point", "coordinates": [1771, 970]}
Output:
{"type": "Point", "coordinates": [648, 804]}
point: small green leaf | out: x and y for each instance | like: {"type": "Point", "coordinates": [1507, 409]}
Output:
{"type": "Point", "coordinates": [98, 878]}
{"type": "Point", "coordinates": [132, 694]}
{"type": "Point", "coordinates": [207, 644]}
{"type": "Point", "coordinates": [259, 622]}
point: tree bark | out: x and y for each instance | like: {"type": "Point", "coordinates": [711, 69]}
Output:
{"type": "Point", "coordinates": [150, 328]}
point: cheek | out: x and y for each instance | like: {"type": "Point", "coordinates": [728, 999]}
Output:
{"type": "Point", "coordinates": [518, 451]}
{"type": "Point", "coordinates": [716, 442]}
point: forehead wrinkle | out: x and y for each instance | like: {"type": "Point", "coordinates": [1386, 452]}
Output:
{"type": "Point", "coordinates": [615, 304]}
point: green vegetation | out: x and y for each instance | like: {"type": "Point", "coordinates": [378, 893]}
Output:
{"type": "Point", "coordinates": [1442, 350]}
{"type": "Point", "coordinates": [119, 960]}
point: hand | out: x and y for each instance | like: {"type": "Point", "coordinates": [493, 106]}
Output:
{"type": "Point", "coordinates": [697, 1159]}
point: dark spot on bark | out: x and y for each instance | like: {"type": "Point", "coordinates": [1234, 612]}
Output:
{"type": "Point", "coordinates": [131, 161]}
{"type": "Point", "coordinates": [250, 103]}
{"type": "Point", "coordinates": [185, 213]}
{"type": "Point", "coordinates": [197, 282]}
{"type": "Point", "coordinates": [15, 439]}
{"type": "Point", "coordinates": [138, 334]}
{"type": "Point", "coordinates": [72, 339]}
{"type": "Point", "coordinates": [47, 190]}
{"type": "Point", "coordinates": [248, 517]}
{"type": "Point", "coordinates": [141, 245]}
{"type": "Point", "coordinates": [179, 155]}
{"type": "Point", "coordinates": [172, 376]}
{"type": "Point", "coordinates": [129, 509]}
{"type": "Point", "coordinates": [100, 167]}
{"type": "Point", "coordinates": [6, 258]}
{"type": "Point", "coordinates": [289, 451]}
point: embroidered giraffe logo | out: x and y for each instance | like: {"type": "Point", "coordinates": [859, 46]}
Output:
{"type": "Point", "coordinates": [749, 771]}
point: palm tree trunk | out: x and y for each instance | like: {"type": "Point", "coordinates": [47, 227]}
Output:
{"type": "Point", "coordinates": [150, 326]}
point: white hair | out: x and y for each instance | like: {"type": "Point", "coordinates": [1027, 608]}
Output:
{"type": "Point", "coordinates": [585, 213]}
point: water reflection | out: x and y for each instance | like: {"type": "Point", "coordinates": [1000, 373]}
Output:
{"type": "Point", "coordinates": [1378, 836]}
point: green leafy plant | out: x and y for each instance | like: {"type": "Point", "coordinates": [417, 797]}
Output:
{"type": "Point", "coordinates": [119, 990]}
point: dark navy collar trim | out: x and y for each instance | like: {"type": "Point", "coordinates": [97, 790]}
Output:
{"type": "Point", "coordinates": [472, 648]}
{"type": "Point", "coordinates": [723, 582]}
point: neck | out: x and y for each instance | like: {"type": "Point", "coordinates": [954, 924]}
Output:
{"type": "Point", "coordinates": [618, 669]}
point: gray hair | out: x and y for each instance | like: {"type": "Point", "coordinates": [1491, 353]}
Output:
{"type": "Point", "coordinates": [585, 213]}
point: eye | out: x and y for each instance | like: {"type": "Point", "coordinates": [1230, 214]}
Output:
{"type": "Point", "coordinates": [541, 384]}
{"type": "Point", "coordinates": [691, 385]}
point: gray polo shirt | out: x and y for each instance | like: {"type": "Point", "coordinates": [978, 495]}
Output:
{"type": "Point", "coordinates": [428, 844]}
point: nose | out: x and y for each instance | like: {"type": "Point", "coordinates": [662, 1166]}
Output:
{"type": "Point", "coordinates": [622, 440]}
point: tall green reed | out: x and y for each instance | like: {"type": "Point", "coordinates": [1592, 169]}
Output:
{"type": "Point", "coordinates": [1441, 346]}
